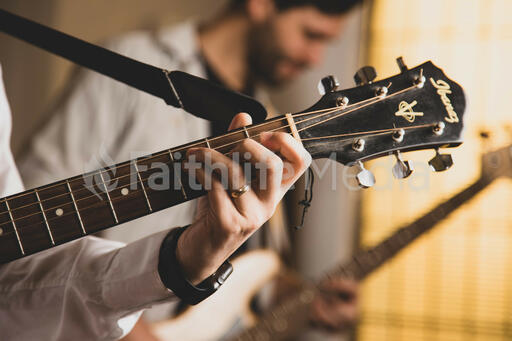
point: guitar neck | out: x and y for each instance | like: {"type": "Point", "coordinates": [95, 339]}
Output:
{"type": "Point", "coordinates": [289, 318]}
{"type": "Point", "coordinates": [366, 261]}
{"type": "Point", "coordinates": [44, 217]}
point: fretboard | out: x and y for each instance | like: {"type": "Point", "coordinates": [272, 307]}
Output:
{"type": "Point", "coordinates": [57, 213]}
{"type": "Point", "coordinates": [290, 317]}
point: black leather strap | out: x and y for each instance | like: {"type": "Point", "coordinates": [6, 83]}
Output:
{"type": "Point", "coordinates": [176, 88]}
{"type": "Point", "coordinates": [174, 279]}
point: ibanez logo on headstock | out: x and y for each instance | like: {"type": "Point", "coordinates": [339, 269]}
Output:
{"type": "Point", "coordinates": [443, 90]}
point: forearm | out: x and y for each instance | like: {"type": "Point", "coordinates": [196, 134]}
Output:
{"type": "Point", "coordinates": [88, 289]}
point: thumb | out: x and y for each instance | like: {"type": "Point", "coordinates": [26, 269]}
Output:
{"type": "Point", "coordinates": [240, 120]}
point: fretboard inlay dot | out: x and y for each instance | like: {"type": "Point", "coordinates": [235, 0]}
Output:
{"type": "Point", "coordinates": [125, 191]}
{"type": "Point", "coordinates": [1, 231]}
{"type": "Point", "coordinates": [59, 212]}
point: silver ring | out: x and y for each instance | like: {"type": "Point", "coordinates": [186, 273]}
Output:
{"type": "Point", "coordinates": [238, 192]}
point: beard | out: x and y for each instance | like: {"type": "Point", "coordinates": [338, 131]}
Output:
{"type": "Point", "coordinates": [265, 55]}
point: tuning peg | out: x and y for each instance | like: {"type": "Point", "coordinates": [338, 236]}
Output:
{"type": "Point", "coordinates": [402, 169]}
{"type": "Point", "coordinates": [364, 177]}
{"type": "Point", "coordinates": [365, 75]}
{"type": "Point", "coordinates": [401, 64]}
{"type": "Point", "coordinates": [420, 80]}
{"type": "Point", "coordinates": [328, 84]}
{"type": "Point", "coordinates": [441, 162]}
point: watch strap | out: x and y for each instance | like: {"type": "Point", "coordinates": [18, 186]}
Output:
{"type": "Point", "coordinates": [174, 278]}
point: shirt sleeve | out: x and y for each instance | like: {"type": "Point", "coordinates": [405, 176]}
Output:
{"type": "Point", "coordinates": [90, 289]}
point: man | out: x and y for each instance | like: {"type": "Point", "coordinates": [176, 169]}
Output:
{"type": "Point", "coordinates": [252, 43]}
{"type": "Point", "coordinates": [94, 289]}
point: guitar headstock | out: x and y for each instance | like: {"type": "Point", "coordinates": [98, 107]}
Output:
{"type": "Point", "coordinates": [497, 163]}
{"type": "Point", "coordinates": [419, 108]}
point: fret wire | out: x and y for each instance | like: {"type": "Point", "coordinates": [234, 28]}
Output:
{"type": "Point", "coordinates": [84, 208]}
{"type": "Point", "coordinates": [179, 178]}
{"type": "Point", "coordinates": [142, 185]}
{"type": "Point", "coordinates": [14, 225]}
{"type": "Point", "coordinates": [207, 143]}
{"type": "Point", "coordinates": [76, 207]}
{"type": "Point", "coordinates": [44, 216]}
{"type": "Point", "coordinates": [108, 196]}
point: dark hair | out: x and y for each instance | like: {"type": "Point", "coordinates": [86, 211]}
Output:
{"type": "Point", "coordinates": [325, 6]}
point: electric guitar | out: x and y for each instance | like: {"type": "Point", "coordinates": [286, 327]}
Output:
{"type": "Point", "coordinates": [416, 109]}
{"type": "Point", "coordinates": [228, 310]}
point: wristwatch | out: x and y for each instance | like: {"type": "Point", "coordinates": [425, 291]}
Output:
{"type": "Point", "coordinates": [174, 278]}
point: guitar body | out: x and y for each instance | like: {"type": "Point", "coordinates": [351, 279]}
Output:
{"type": "Point", "coordinates": [228, 311]}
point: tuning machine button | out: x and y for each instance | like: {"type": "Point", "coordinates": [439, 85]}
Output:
{"type": "Point", "coordinates": [342, 101]}
{"type": "Point", "coordinates": [365, 75]}
{"type": "Point", "coordinates": [328, 84]}
{"type": "Point", "coordinates": [382, 91]}
{"type": "Point", "coordinates": [402, 169]}
{"type": "Point", "coordinates": [398, 135]}
{"type": "Point", "coordinates": [401, 64]}
{"type": "Point", "coordinates": [420, 80]}
{"type": "Point", "coordinates": [440, 162]}
{"type": "Point", "coordinates": [439, 128]}
{"type": "Point", "coordinates": [358, 145]}
{"type": "Point", "coordinates": [364, 177]}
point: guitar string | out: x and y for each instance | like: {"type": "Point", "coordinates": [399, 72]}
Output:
{"type": "Point", "coordinates": [374, 132]}
{"type": "Point", "coordinates": [103, 183]}
{"type": "Point", "coordinates": [126, 196]}
{"type": "Point", "coordinates": [363, 106]}
{"type": "Point", "coordinates": [186, 146]}
{"type": "Point", "coordinates": [97, 184]}
{"type": "Point", "coordinates": [163, 153]}
{"type": "Point", "coordinates": [95, 173]}
{"type": "Point", "coordinates": [375, 99]}
{"type": "Point", "coordinates": [326, 112]}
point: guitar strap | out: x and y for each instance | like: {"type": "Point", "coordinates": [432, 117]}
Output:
{"type": "Point", "coordinates": [195, 95]}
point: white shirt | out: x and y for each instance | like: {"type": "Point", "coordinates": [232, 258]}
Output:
{"type": "Point", "coordinates": [89, 289]}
